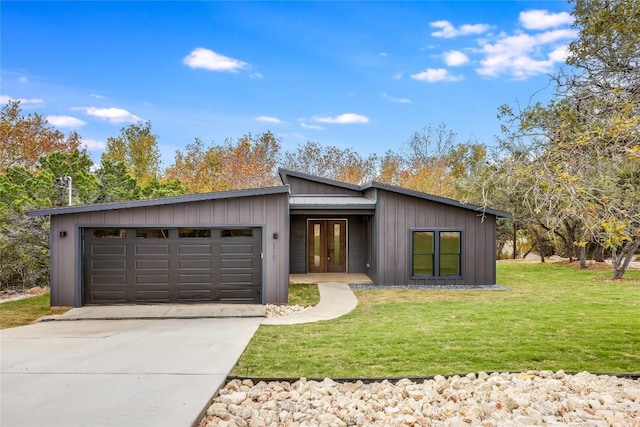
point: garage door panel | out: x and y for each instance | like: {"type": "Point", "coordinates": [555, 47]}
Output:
{"type": "Point", "coordinates": [109, 297]}
{"type": "Point", "coordinates": [195, 249]}
{"type": "Point", "coordinates": [204, 279]}
{"type": "Point", "coordinates": [152, 264]}
{"type": "Point", "coordinates": [228, 249]}
{"type": "Point", "coordinates": [111, 279]}
{"type": "Point", "coordinates": [152, 249]}
{"type": "Point", "coordinates": [203, 263]}
{"type": "Point", "coordinates": [119, 249]}
{"type": "Point", "coordinates": [114, 265]}
{"type": "Point", "coordinates": [177, 268]}
{"type": "Point", "coordinates": [143, 279]}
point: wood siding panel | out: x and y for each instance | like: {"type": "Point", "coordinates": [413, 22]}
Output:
{"type": "Point", "coordinates": [397, 214]}
{"type": "Point", "coordinates": [303, 186]}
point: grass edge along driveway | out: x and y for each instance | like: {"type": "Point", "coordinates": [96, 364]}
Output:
{"type": "Point", "coordinates": [554, 317]}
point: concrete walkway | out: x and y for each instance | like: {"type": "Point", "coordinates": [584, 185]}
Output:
{"type": "Point", "coordinates": [336, 299]}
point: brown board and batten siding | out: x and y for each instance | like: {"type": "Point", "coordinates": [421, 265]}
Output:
{"type": "Point", "coordinates": [267, 209]}
{"type": "Point", "coordinates": [399, 214]}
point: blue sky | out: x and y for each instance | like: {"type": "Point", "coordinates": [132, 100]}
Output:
{"type": "Point", "coordinates": [364, 75]}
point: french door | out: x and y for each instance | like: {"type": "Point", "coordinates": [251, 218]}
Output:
{"type": "Point", "coordinates": [327, 246]}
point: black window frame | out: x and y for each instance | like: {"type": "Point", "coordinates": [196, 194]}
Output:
{"type": "Point", "coordinates": [436, 252]}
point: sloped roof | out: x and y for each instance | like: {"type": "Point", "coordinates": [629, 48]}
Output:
{"type": "Point", "coordinates": [161, 201]}
{"type": "Point", "coordinates": [378, 185]}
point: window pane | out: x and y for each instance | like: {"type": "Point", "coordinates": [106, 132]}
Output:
{"type": "Point", "coordinates": [423, 242]}
{"type": "Point", "coordinates": [145, 233]}
{"type": "Point", "coordinates": [336, 244]}
{"type": "Point", "coordinates": [449, 265]}
{"type": "Point", "coordinates": [316, 245]}
{"type": "Point", "coordinates": [423, 265]}
{"type": "Point", "coordinates": [237, 232]}
{"type": "Point", "coordinates": [110, 233]}
{"type": "Point", "coordinates": [449, 242]}
{"type": "Point", "coordinates": [194, 232]}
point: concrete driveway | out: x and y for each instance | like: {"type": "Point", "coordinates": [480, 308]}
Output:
{"type": "Point", "coordinates": [158, 372]}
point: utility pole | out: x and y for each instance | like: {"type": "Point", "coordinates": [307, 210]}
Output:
{"type": "Point", "coordinates": [67, 182]}
{"type": "Point", "coordinates": [64, 183]}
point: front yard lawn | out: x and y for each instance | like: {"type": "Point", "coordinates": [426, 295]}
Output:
{"type": "Point", "coordinates": [25, 311]}
{"type": "Point", "coordinates": [554, 317]}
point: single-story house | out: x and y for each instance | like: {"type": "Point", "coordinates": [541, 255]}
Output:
{"type": "Point", "coordinates": [240, 246]}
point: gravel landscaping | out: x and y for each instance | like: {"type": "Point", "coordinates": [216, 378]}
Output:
{"type": "Point", "coordinates": [500, 399]}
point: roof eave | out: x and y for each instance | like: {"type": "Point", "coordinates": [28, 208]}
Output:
{"type": "Point", "coordinates": [160, 201]}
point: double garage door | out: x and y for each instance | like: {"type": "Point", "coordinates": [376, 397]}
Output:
{"type": "Point", "coordinates": [172, 265]}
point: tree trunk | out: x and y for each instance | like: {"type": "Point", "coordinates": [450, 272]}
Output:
{"type": "Point", "coordinates": [583, 256]}
{"type": "Point", "coordinates": [621, 262]}
{"type": "Point", "coordinates": [598, 253]}
{"type": "Point", "coordinates": [515, 239]}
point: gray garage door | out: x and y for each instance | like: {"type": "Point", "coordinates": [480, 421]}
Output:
{"type": "Point", "coordinates": [162, 265]}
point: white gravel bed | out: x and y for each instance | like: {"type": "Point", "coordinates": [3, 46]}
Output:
{"type": "Point", "coordinates": [283, 310]}
{"type": "Point", "coordinates": [534, 398]}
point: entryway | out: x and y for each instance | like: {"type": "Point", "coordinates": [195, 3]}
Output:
{"type": "Point", "coordinates": [327, 245]}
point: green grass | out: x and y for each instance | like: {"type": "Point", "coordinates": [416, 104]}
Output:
{"type": "Point", "coordinates": [554, 317]}
{"type": "Point", "coordinates": [26, 311]}
{"type": "Point", "coordinates": [304, 294]}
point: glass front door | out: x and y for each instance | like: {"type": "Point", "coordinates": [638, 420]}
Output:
{"type": "Point", "coordinates": [327, 244]}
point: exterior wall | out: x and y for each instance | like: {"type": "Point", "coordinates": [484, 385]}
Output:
{"type": "Point", "coordinates": [268, 211]}
{"type": "Point", "coordinates": [304, 186]}
{"type": "Point", "coordinates": [397, 214]}
{"type": "Point", "coordinates": [356, 243]}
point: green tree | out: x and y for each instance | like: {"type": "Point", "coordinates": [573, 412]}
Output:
{"type": "Point", "coordinates": [137, 148]}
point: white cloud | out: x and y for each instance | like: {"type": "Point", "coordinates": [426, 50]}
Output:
{"type": "Point", "coordinates": [454, 58]}
{"type": "Point", "coordinates": [255, 76]}
{"type": "Point", "coordinates": [447, 30]}
{"type": "Point", "coordinates": [268, 119]}
{"type": "Point", "coordinates": [523, 55]}
{"type": "Point", "coordinates": [114, 115]}
{"type": "Point", "coordinates": [342, 119]}
{"type": "Point", "coordinates": [94, 144]}
{"type": "Point", "coordinates": [308, 126]}
{"type": "Point", "coordinates": [433, 75]}
{"type": "Point", "coordinates": [543, 19]}
{"type": "Point", "coordinates": [23, 79]}
{"type": "Point", "coordinates": [96, 96]}
{"type": "Point", "coordinates": [394, 99]}
{"type": "Point", "coordinates": [210, 60]}
{"type": "Point", "coordinates": [24, 101]}
{"type": "Point", "coordinates": [65, 121]}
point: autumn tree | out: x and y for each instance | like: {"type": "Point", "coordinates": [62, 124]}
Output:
{"type": "Point", "coordinates": [248, 162]}
{"type": "Point", "coordinates": [137, 148]}
{"type": "Point", "coordinates": [24, 139]}
{"type": "Point", "coordinates": [332, 162]}
{"type": "Point", "coordinates": [433, 161]}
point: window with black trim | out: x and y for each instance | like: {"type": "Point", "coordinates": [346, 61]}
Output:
{"type": "Point", "coordinates": [237, 232]}
{"type": "Point", "coordinates": [436, 253]}
{"type": "Point", "coordinates": [194, 232]}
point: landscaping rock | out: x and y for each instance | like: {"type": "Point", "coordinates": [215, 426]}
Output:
{"type": "Point", "coordinates": [498, 399]}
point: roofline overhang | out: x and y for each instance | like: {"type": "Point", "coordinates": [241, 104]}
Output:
{"type": "Point", "coordinates": [201, 197]}
{"type": "Point", "coordinates": [288, 172]}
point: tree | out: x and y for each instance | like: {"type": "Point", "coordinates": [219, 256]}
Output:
{"type": "Point", "coordinates": [332, 162]}
{"type": "Point", "coordinates": [137, 148]}
{"type": "Point", "coordinates": [581, 151]}
{"type": "Point", "coordinates": [433, 161]}
{"type": "Point", "coordinates": [250, 162]}
{"type": "Point", "coordinates": [24, 139]}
